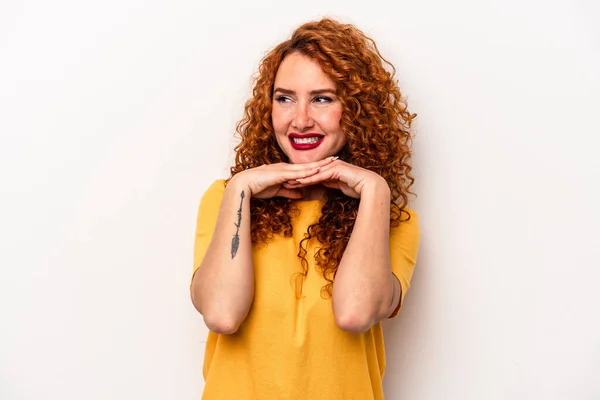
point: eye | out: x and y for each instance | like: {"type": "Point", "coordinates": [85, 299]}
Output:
{"type": "Point", "coordinates": [282, 99]}
{"type": "Point", "coordinates": [323, 99]}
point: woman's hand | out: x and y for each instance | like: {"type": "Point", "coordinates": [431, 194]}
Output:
{"type": "Point", "coordinates": [267, 180]}
{"type": "Point", "coordinates": [348, 178]}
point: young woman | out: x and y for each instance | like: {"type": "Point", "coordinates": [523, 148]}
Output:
{"type": "Point", "coordinates": [309, 244]}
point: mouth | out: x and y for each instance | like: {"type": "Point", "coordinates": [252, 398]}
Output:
{"type": "Point", "coordinates": [305, 142]}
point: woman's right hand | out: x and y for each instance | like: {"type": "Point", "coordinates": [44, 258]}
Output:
{"type": "Point", "coordinates": [267, 180]}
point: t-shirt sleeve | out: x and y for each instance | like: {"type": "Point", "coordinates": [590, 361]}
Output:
{"type": "Point", "coordinates": [404, 246]}
{"type": "Point", "coordinates": [208, 212]}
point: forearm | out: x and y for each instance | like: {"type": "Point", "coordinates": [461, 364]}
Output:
{"type": "Point", "coordinates": [364, 290]}
{"type": "Point", "coordinates": [223, 286]}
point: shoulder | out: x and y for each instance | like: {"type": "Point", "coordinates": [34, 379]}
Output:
{"type": "Point", "coordinates": [407, 215]}
{"type": "Point", "coordinates": [217, 186]}
{"type": "Point", "coordinates": [214, 193]}
{"type": "Point", "coordinates": [404, 243]}
{"type": "Point", "coordinates": [413, 216]}
{"type": "Point", "coordinates": [408, 226]}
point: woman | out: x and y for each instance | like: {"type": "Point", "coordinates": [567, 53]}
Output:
{"type": "Point", "coordinates": [309, 244]}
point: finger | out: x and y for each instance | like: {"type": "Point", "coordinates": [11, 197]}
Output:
{"type": "Point", "coordinates": [332, 165]}
{"type": "Point", "coordinates": [292, 182]}
{"type": "Point", "coordinates": [295, 172]}
{"type": "Point", "coordinates": [318, 177]}
{"type": "Point", "coordinates": [320, 163]}
{"type": "Point", "coordinates": [295, 175]}
{"type": "Point", "coordinates": [333, 171]}
{"type": "Point", "coordinates": [284, 177]}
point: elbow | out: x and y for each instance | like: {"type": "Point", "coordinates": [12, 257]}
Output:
{"type": "Point", "coordinates": [217, 322]}
{"type": "Point", "coordinates": [221, 325]}
{"type": "Point", "coordinates": [353, 322]}
{"type": "Point", "coordinates": [354, 319]}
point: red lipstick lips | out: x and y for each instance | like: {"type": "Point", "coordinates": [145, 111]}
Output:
{"type": "Point", "coordinates": [308, 141]}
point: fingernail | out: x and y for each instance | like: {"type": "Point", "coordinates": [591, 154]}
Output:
{"type": "Point", "coordinates": [333, 158]}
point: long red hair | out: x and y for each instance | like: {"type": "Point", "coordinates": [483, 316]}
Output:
{"type": "Point", "coordinates": [375, 118]}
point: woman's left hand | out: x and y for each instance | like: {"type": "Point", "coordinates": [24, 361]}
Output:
{"type": "Point", "coordinates": [348, 178]}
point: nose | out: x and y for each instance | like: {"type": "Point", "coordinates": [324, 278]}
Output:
{"type": "Point", "coordinates": [302, 119]}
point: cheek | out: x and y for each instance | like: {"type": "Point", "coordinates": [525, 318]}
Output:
{"type": "Point", "coordinates": [280, 120]}
{"type": "Point", "coordinates": [275, 120]}
{"type": "Point", "coordinates": [331, 119]}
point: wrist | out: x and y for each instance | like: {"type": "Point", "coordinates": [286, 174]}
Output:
{"type": "Point", "coordinates": [237, 184]}
{"type": "Point", "coordinates": [377, 188]}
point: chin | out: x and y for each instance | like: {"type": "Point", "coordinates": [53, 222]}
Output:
{"type": "Point", "coordinates": [304, 158]}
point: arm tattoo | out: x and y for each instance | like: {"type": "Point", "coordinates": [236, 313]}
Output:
{"type": "Point", "coordinates": [235, 242]}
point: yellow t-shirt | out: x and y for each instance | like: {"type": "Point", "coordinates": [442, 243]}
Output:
{"type": "Point", "coordinates": [289, 348]}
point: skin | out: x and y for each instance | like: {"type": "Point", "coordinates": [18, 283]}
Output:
{"type": "Point", "coordinates": [364, 291]}
{"type": "Point", "coordinates": [305, 101]}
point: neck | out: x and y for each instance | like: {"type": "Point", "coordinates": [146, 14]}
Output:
{"type": "Point", "coordinates": [315, 192]}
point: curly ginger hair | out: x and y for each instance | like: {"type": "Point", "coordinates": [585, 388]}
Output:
{"type": "Point", "coordinates": [375, 119]}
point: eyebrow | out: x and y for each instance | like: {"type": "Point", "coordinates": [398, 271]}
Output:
{"type": "Point", "coordinates": [312, 92]}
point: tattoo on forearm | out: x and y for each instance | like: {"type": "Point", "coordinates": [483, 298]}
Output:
{"type": "Point", "coordinates": [235, 242]}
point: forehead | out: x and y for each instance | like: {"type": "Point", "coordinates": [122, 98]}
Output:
{"type": "Point", "coordinates": [298, 71]}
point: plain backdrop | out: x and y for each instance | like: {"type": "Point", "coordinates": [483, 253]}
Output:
{"type": "Point", "coordinates": [115, 116]}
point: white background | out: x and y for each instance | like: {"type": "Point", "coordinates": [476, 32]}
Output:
{"type": "Point", "coordinates": [115, 116]}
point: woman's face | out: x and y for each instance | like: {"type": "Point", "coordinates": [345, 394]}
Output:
{"type": "Point", "coordinates": [306, 111]}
